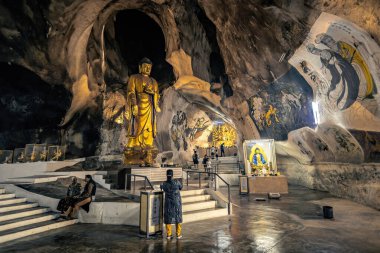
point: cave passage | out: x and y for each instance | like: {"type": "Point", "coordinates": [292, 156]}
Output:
{"type": "Point", "coordinates": [30, 109]}
{"type": "Point", "coordinates": [140, 36]}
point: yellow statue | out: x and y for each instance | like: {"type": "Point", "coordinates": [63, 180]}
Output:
{"type": "Point", "coordinates": [258, 158]}
{"type": "Point", "coordinates": [141, 109]}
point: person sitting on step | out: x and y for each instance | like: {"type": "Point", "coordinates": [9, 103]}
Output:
{"type": "Point", "coordinates": [72, 191]}
{"type": "Point", "coordinates": [84, 199]}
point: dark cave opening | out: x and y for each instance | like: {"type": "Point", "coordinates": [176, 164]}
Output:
{"type": "Point", "coordinates": [30, 108]}
{"type": "Point", "coordinates": [217, 66]}
{"type": "Point", "coordinates": [140, 36]}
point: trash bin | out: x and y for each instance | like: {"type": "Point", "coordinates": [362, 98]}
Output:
{"type": "Point", "coordinates": [151, 212]}
{"type": "Point", "coordinates": [328, 212]}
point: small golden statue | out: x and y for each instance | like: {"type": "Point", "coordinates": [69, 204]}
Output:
{"type": "Point", "coordinates": [141, 109]}
{"type": "Point", "coordinates": [33, 157]}
{"type": "Point", "coordinates": [57, 155]}
{"type": "Point", "coordinates": [43, 155]}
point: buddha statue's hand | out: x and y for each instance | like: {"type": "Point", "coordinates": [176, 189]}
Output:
{"type": "Point", "coordinates": [135, 110]}
{"type": "Point", "coordinates": [158, 109]}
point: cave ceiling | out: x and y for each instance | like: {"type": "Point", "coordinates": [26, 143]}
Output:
{"type": "Point", "coordinates": [227, 50]}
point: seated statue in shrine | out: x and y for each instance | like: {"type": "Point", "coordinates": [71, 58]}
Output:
{"type": "Point", "coordinates": [257, 160]}
{"type": "Point", "coordinates": [141, 110]}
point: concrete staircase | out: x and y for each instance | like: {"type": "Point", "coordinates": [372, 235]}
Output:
{"type": "Point", "coordinates": [105, 181]}
{"type": "Point", "coordinates": [36, 179]}
{"type": "Point", "coordinates": [198, 205]}
{"type": "Point", "coordinates": [20, 218]}
{"type": "Point", "coordinates": [226, 165]}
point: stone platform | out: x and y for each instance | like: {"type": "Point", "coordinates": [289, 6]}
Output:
{"type": "Point", "coordinates": [264, 185]}
{"type": "Point", "coordinates": [154, 174]}
{"type": "Point", "coordinates": [358, 182]}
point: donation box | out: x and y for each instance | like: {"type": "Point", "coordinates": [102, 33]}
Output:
{"type": "Point", "coordinates": [243, 185]}
{"type": "Point", "coordinates": [151, 212]}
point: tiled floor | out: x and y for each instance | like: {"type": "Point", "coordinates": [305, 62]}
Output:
{"type": "Point", "coordinates": [292, 224]}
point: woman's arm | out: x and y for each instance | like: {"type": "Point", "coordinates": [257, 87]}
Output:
{"type": "Point", "coordinates": [89, 191]}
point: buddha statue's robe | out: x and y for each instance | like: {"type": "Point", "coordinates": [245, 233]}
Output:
{"type": "Point", "coordinates": [142, 91]}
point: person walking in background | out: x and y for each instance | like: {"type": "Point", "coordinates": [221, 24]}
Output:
{"type": "Point", "coordinates": [173, 205]}
{"type": "Point", "coordinates": [208, 166]}
{"type": "Point", "coordinates": [213, 152]}
{"type": "Point", "coordinates": [195, 159]}
{"type": "Point", "coordinates": [204, 161]}
{"type": "Point", "coordinates": [222, 149]}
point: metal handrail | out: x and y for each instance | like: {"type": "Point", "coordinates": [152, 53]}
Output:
{"type": "Point", "coordinates": [146, 179]}
{"type": "Point", "coordinates": [214, 174]}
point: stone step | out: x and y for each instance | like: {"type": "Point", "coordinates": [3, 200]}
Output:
{"type": "Point", "coordinates": [36, 179]}
{"type": "Point", "coordinates": [4, 202]}
{"type": "Point", "coordinates": [204, 214]}
{"type": "Point", "coordinates": [202, 205]}
{"type": "Point", "coordinates": [24, 221]}
{"type": "Point", "coordinates": [2, 191]}
{"type": "Point", "coordinates": [102, 181]}
{"type": "Point", "coordinates": [196, 198]}
{"type": "Point", "coordinates": [7, 196]}
{"type": "Point", "coordinates": [18, 206]}
{"type": "Point", "coordinates": [203, 184]}
{"type": "Point", "coordinates": [33, 229]}
{"type": "Point", "coordinates": [186, 193]}
{"type": "Point", "coordinates": [23, 213]}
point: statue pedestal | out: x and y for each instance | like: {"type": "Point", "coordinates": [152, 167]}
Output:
{"type": "Point", "coordinates": [264, 185]}
{"type": "Point", "coordinates": [133, 156]}
{"type": "Point", "coordinates": [155, 175]}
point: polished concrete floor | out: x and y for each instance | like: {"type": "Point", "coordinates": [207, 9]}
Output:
{"type": "Point", "coordinates": [292, 224]}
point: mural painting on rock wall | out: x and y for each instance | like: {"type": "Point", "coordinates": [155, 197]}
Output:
{"type": "Point", "coordinates": [178, 130]}
{"type": "Point", "coordinates": [340, 61]}
{"type": "Point", "coordinates": [282, 106]}
{"type": "Point", "coordinates": [184, 131]}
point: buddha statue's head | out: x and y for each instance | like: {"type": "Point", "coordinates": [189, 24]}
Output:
{"type": "Point", "coordinates": [257, 151]}
{"type": "Point", "coordinates": [145, 66]}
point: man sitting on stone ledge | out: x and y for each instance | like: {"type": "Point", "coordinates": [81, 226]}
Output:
{"type": "Point", "coordinates": [72, 191]}
{"type": "Point", "coordinates": [84, 199]}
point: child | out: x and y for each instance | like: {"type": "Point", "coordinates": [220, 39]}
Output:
{"type": "Point", "coordinates": [173, 205]}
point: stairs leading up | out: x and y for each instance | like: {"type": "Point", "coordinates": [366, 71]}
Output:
{"type": "Point", "coordinates": [198, 205]}
{"type": "Point", "coordinates": [226, 165]}
{"type": "Point", "coordinates": [20, 218]}
{"type": "Point", "coordinates": [35, 179]}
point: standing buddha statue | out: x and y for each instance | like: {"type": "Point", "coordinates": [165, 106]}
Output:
{"type": "Point", "coordinates": [141, 109]}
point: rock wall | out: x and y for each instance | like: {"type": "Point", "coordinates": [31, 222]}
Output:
{"type": "Point", "coordinates": [359, 183]}
{"type": "Point", "coordinates": [244, 51]}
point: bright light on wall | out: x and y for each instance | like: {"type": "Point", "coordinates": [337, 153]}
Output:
{"type": "Point", "coordinates": [315, 107]}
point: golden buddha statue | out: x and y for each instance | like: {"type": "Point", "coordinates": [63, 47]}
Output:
{"type": "Point", "coordinates": [141, 109]}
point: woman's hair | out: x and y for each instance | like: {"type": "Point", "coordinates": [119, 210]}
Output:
{"type": "Point", "coordinates": [89, 176]}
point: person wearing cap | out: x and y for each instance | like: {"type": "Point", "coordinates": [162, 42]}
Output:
{"type": "Point", "coordinates": [173, 205]}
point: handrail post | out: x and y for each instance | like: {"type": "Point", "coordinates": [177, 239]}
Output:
{"type": "Point", "coordinates": [187, 179]}
{"type": "Point", "coordinates": [125, 183]}
{"type": "Point", "coordinates": [229, 200]}
{"type": "Point", "coordinates": [145, 183]}
{"type": "Point", "coordinates": [199, 179]}
{"type": "Point", "coordinates": [134, 183]}
{"type": "Point", "coordinates": [215, 182]}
